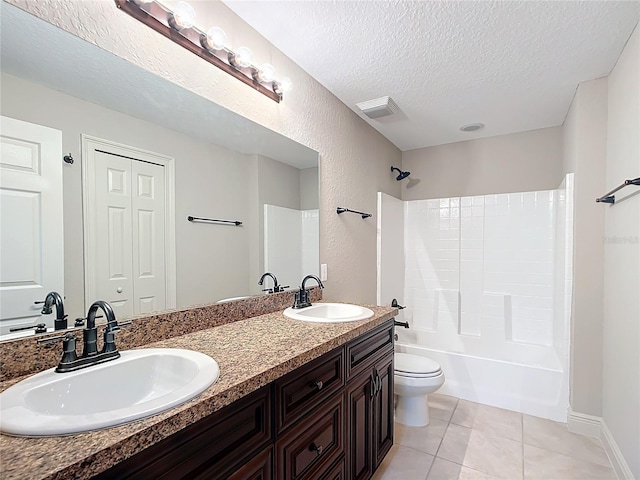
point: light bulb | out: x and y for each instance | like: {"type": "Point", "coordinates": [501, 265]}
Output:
{"type": "Point", "coordinates": [215, 39]}
{"type": "Point", "coordinates": [184, 16]}
{"type": "Point", "coordinates": [266, 73]}
{"type": "Point", "coordinates": [243, 57]}
{"type": "Point", "coordinates": [286, 84]}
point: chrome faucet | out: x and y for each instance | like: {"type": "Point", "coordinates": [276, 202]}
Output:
{"type": "Point", "coordinates": [301, 299]}
{"type": "Point", "coordinates": [90, 354]}
{"type": "Point", "coordinates": [54, 298]}
{"type": "Point", "coordinates": [276, 288]}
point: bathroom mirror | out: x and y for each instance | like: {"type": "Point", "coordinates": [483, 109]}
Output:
{"type": "Point", "coordinates": [226, 167]}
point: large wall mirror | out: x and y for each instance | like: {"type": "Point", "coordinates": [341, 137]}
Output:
{"type": "Point", "coordinates": [225, 166]}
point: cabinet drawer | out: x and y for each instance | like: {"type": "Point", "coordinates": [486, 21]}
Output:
{"type": "Point", "coordinates": [259, 467]}
{"type": "Point", "coordinates": [208, 449]}
{"type": "Point", "coordinates": [306, 450]}
{"type": "Point", "coordinates": [336, 472]}
{"type": "Point", "coordinates": [302, 390]}
{"type": "Point", "coordinates": [366, 349]}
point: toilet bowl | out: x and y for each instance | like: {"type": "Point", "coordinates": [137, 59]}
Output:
{"type": "Point", "coordinates": [414, 378]}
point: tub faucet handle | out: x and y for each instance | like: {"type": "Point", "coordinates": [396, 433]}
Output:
{"type": "Point", "coordinates": [394, 304]}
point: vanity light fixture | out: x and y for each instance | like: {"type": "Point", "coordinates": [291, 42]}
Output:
{"type": "Point", "coordinates": [179, 25]}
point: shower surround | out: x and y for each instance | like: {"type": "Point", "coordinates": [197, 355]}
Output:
{"type": "Point", "coordinates": [487, 283]}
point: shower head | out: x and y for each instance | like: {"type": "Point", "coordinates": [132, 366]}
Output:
{"type": "Point", "coordinates": [401, 175]}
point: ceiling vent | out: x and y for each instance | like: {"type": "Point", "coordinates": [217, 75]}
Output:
{"type": "Point", "coordinates": [379, 107]}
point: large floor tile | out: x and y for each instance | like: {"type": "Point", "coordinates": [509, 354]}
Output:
{"type": "Point", "coordinates": [555, 436]}
{"type": "Point", "coordinates": [425, 439]}
{"type": "Point", "coordinates": [402, 463]}
{"type": "Point", "coordinates": [471, 474]}
{"type": "Point", "coordinates": [492, 420]}
{"type": "Point", "coordinates": [446, 470]}
{"type": "Point", "coordinates": [441, 407]}
{"type": "Point", "coordinates": [540, 464]}
{"type": "Point", "coordinates": [455, 444]}
{"type": "Point", "coordinates": [478, 450]}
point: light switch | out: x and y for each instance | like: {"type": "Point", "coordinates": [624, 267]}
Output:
{"type": "Point", "coordinates": [323, 272]}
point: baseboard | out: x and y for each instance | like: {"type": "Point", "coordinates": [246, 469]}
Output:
{"type": "Point", "coordinates": [592, 426]}
{"type": "Point", "coordinates": [618, 462]}
{"type": "Point", "coordinates": [584, 424]}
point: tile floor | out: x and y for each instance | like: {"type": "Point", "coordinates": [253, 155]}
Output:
{"type": "Point", "coordinates": [469, 441]}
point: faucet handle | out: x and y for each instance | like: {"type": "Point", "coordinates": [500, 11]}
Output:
{"type": "Point", "coordinates": [109, 336]}
{"type": "Point", "coordinates": [69, 348]}
{"type": "Point", "coordinates": [57, 338]}
{"type": "Point", "coordinates": [118, 325]}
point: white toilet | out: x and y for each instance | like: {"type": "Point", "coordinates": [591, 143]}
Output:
{"type": "Point", "coordinates": [414, 378]}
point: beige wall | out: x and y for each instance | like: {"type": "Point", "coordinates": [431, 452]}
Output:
{"type": "Point", "coordinates": [621, 329]}
{"type": "Point", "coordinates": [585, 152]}
{"type": "Point", "coordinates": [354, 158]}
{"type": "Point", "coordinates": [518, 162]}
{"type": "Point", "coordinates": [309, 188]}
{"type": "Point", "coordinates": [211, 181]}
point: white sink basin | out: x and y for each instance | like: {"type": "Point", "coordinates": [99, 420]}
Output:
{"type": "Point", "coordinates": [329, 313]}
{"type": "Point", "coordinates": [138, 384]}
{"type": "Point", "coordinates": [233, 299]}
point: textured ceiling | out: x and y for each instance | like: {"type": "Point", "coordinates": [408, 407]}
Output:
{"type": "Point", "coordinates": [512, 65]}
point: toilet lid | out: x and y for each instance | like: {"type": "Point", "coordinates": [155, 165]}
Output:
{"type": "Point", "coordinates": [414, 364]}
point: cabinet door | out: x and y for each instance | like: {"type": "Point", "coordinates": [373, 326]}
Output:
{"type": "Point", "coordinates": [383, 410]}
{"type": "Point", "coordinates": [360, 398]}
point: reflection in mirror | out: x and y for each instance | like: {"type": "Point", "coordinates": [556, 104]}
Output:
{"type": "Point", "coordinates": [291, 243]}
{"type": "Point", "coordinates": [225, 165]}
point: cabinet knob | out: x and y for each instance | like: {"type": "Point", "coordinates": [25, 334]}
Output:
{"type": "Point", "coordinates": [119, 289]}
{"type": "Point", "coordinates": [318, 384]}
{"type": "Point", "coordinates": [316, 448]}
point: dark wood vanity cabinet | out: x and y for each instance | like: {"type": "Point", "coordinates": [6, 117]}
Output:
{"type": "Point", "coordinates": [211, 448]}
{"type": "Point", "coordinates": [370, 401]}
{"type": "Point", "coordinates": [331, 419]}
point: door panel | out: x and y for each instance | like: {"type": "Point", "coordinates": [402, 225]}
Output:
{"type": "Point", "coordinates": [112, 218]}
{"type": "Point", "coordinates": [30, 208]}
{"type": "Point", "coordinates": [148, 203]}
{"type": "Point", "coordinates": [383, 414]}
{"type": "Point", "coordinates": [360, 435]}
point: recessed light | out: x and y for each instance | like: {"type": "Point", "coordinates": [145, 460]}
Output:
{"type": "Point", "coordinates": [472, 127]}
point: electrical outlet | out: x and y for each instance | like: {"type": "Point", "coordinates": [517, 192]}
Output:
{"type": "Point", "coordinates": [323, 272]}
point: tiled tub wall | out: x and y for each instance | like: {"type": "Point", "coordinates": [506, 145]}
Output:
{"type": "Point", "coordinates": [485, 275]}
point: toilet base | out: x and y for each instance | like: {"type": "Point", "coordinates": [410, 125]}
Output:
{"type": "Point", "coordinates": [412, 411]}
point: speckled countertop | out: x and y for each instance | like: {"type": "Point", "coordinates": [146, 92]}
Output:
{"type": "Point", "coordinates": [251, 353]}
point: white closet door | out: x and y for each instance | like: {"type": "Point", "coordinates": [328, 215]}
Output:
{"type": "Point", "coordinates": [148, 202]}
{"type": "Point", "coordinates": [129, 250]}
{"type": "Point", "coordinates": [113, 252]}
{"type": "Point", "coordinates": [31, 227]}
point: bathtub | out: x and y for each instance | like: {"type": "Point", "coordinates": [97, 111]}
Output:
{"type": "Point", "coordinates": [538, 390]}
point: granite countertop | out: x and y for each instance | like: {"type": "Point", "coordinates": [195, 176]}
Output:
{"type": "Point", "coordinates": [251, 353]}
